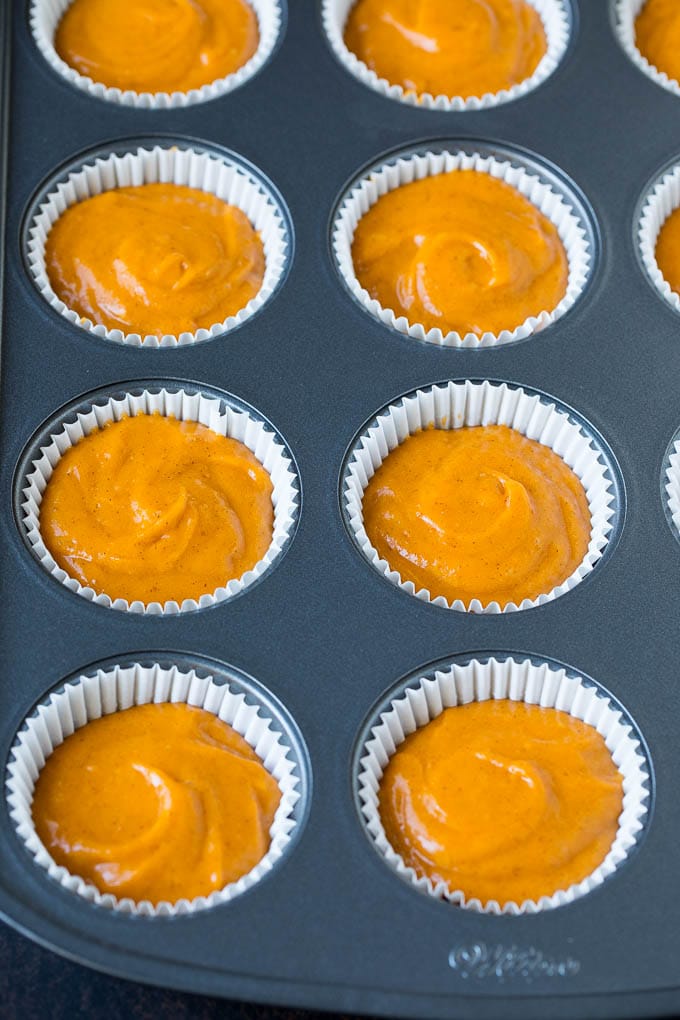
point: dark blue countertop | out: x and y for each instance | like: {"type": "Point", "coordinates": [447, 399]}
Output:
{"type": "Point", "coordinates": [35, 983]}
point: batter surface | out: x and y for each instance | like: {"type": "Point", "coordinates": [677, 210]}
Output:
{"type": "Point", "coordinates": [448, 47]}
{"type": "Point", "coordinates": [668, 250]}
{"type": "Point", "coordinates": [461, 251]}
{"type": "Point", "coordinates": [478, 513]}
{"type": "Point", "coordinates": [157, 802]}
{"type": "Point", "coordinates": [157, 45]}
{"type": "Point", "coordinates": [156, 509]}
{"type": "Point", "coordinates": [155, 259]}
{"type": "Point", "coordinates": [657, 35]}
{"type": "Point", "coordinates": [502, 800]}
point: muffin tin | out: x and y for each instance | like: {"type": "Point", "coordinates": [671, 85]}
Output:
{"type": "Point", "coordinates": [323, 634]}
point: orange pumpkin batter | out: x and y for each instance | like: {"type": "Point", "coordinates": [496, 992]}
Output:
{"type": "Point", "coordinates": [157, 45]}
{"type": "Point", "coordinates": [155, 259]}
{"type": "Point", "coordinates": [448, 47]}
{"type": "Point", "coordinates": [460, 251]}
{"type": "Point", "coordinates": [668, 250]}
{"type": "Point", "coordinates": [502, 800]}
{"type": "Point", "coordinates": [657, 35]}
{"type": "Point", "coordinates": [157, 802]}
{"type": "Point", "coordinates": [478, 513]}
{"type": "Point", "coordinates": [156, 509]}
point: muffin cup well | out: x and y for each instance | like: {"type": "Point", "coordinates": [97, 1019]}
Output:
{"type": "Point", "coordinates": [45, 16]}
{"type": "Point", "coordinates": [404, 168]}
{"type": "Point", "coordinates": [114, 689]}
{"type": "Point", "coordinates": [185, 405]}
{"type": "Point", "coordinates": [556, 18]}
{"type": "Point", "coordinates": [661, 199]}
{"type": "Point", "coordinates": [543, 683]}
{"type": "Point", "coordinates": [454, 405]}
{"type": "Point", "coordinates": [213, 171]}
{"type": "Point", "coordinates": [625, 13]}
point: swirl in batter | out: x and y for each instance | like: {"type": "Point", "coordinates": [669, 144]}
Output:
{"type": "Point", "coordinates": [478, 513]}
{"type": "Point", "coordinates": [448, 47]}
{"type": "Point", "coordinates": [460, 251]}
{"type": "Point", "coordinates": [155, 259]}
{"type": "Point", "coordinates": [156, 509]}
{"type": "Point", "coordinates": [158, 802]}
{"type": "Point", "coordinates": [157, 45]}
{"type": "Point", "coordinates": [502, 800]}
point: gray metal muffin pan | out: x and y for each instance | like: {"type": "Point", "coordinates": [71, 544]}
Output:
{"type": "Point", "coordinates": [331, 926]}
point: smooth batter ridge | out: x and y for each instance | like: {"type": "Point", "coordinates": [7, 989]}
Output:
{"type": "Point", "coordinates": [460, 251]}
{"type": "Point", "coordinates": [478, 513]}
{"type": "Point", "coordinates": [157, 259]}
{"type": "Point", "coordinates": [158, 802]}
{"type": "Point", "coordinates": [667, 251]}
{"type": "Point", "coordinates": [657, 35]}
{"type": "Point", "coordinates": [448, 47]}
{"type": "Point", "coordinates": [502, 800]}
{"type": "Point", "coordinates": [157, 45]}
{"type": "Point", "coordinates": [154, 509]}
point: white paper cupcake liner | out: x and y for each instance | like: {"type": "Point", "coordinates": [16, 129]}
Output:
{"type": "Point", "coordinates": [45, 16]}
{"type": "Point", "coordinates": [406, 168]}
{"type": "Point", "coordinates": [662, 198]}
{"type": "Point", "coordinates": [625, 14]}
{"type": "Point", "coordinates": [113, 690]}
{"type": "Point", "coordinates": [185, 406]}
{"type": "Point", "coordinates": [671, 484]}
{"type": "Point", "coordinates": [456, 405]}
{"type": "Point", "coordinates": [546, 685]}
{"type": "Point", "coordinates": [213, 173]}
{"type": "Point", "coordinates": [555, 15]}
